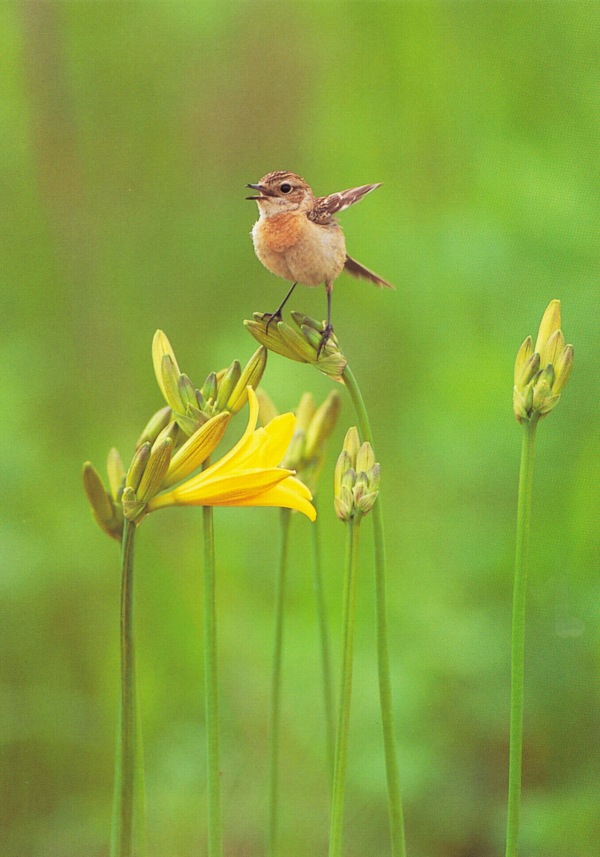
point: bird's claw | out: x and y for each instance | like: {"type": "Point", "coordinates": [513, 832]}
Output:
{"type": "Point", "coordinates": [325, 337]}
{"type": "Point", "coordinates": [271, 316]}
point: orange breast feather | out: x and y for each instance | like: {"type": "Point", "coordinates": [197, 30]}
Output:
{"type": "Point", "coordinates": [282, 231]}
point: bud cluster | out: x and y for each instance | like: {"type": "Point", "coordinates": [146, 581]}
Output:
{"type": "Point", "coordinates": [177, 439]}
{"type": "Point", "coordinates": [356, 480]}
{"type": "Point", "coordinates": [542, 372]}
{"type": "Point", "coordinates": [301, 345]}
{"type": "Point", "coordinates": [222, 391]}
{"type": "Point", "coordinates": [314, 425]}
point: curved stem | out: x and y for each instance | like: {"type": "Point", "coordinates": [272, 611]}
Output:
{"type": "Point", "coordinates": [341, 746]}
{"type": "Point", "coordinates": [129, 786]}
{"type": "Point", "coordinates": [211, 688]}
{"type": "Point", "coordinates": [518, 637]}
{"type": "Point", "coordinates": [385, 687]}
{"type": "Point", "coordinates": [324, 641]}
{"type": "Point", "coordinates": [285, 517]}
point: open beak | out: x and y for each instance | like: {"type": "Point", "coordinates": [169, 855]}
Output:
{"type": "Point", "coordinates": [263, 191]}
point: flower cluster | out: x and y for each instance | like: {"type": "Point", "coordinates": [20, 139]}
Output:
{"type": "Point", "coordinates": [357, 478]}
{"type": "Point", "coordinates": [182, 436]}
{"type": "Point", "coordinates": [542, 372]}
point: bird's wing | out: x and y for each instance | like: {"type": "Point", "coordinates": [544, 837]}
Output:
{"type": "Point", "coordinates": [357, 270]}
{"type": "Point", "coordinates": [326, 206]}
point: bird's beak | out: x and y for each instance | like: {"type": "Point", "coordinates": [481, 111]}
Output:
{"type": "Point", "coordinates": [262, 190]}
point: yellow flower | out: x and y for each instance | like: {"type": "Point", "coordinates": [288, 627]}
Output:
{"type": "Point", "coordinates": [248, 475]}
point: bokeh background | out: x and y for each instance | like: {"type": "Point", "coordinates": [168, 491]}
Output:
{"type": "Point", "coordinates": [128, 133]}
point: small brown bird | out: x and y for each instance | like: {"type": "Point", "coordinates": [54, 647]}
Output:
{"type": "Point", "coordinates": [298, 238]}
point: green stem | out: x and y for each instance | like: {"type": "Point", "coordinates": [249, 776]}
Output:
{"type": "Point", "coordinates": [341, 746]}
{"type": "Point", "coordinates": [396, 815]}
{"type": "Point", "coordinates": [518, 637]}
{"type": "Point", "coordinates": [211, 689]}
{"type": "Point", "coordinates": [285, 517]}
{"type": "Point", "coordinates": [129, 785]}
{"type": "Point", "coordinates": [323, 623]}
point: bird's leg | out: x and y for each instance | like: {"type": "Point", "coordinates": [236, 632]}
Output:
{"type": "Point", "coordinates": [328, 329]}
{"type": "Point", "coordinates": [270, 316]}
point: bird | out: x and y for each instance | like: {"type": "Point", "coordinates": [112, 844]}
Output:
{"type": "Point", "coordinates": [298, 238]}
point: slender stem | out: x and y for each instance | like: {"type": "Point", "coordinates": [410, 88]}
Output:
{"type": "Point", "coordinates": [396, 815]}
{"type": "Point", "coordinates": [518, 637]}
{"type": "Point", "coordinates": [211, 689]}
{"type": "Point", "coordinates": [285, 517]}
{"type": "Point", "coordinates": [323, 623]}
{"type": "Point", "coordinates": [341, 746]}
{"type": "Point", "coordinates": [128, 795]}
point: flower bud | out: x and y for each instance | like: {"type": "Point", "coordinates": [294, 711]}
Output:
{"type": "Point", "coordinates": [138, 465]}
{"type": "Point", "coordinates": [155, 425]}
{"type": "Point", "coordinates": [356, 479]}
{"type": "Point", "coordinates": [105, 510]}
{"type": "Point", "coordinates": [251, 377]}
{"type": "Point", "coordinates": [541, 374]}
{"type": "Point", "coordinates": [155, 470]}
{"type": "Point", "coordinates": [226, 385]}
{"type": "Point", "coordinates": [116, 474]}
{"type": "Point", "coordinates": [303, 346]}
{"type": "Point", "coordinates": [323, 423]}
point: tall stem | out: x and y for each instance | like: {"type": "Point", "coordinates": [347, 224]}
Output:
{"type": "Point", "coordinates": [129, 786]}
{"type": "Point", "coordinates": [323, 624]}
{"type": "Point", "coordinates": [341, 746]}
{"type": "Point", "coordinates": [285, 517]}
{"type": "Point", "coordinates": [518, 637]}
{"type": "Point", "coordinates": [211, 688]}
{"type": "Point", "coordinates": [385, 688]}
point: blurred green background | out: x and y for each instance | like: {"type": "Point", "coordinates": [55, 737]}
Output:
{"type": "Point", "coordinates": [128, 133]}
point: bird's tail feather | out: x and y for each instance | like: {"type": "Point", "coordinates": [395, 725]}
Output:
{"type": "Point", "coordinates": [357, 270]}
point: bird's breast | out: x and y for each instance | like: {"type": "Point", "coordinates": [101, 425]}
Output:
{"type": "Point", "coordinates": [292, 246]}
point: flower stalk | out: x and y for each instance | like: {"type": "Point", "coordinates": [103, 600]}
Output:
{"type": "Point", "coordinates": [275, 705]}
{"type": "Point", "coordinates": [518, 636]}
{"type": "Point", "coordinates": [323, 624]}
{"type": "Point", "coordinates": [341, 745]}
{"type": "Point", "coordinates": [128, 824]}
{"type": "Point", "coordinates": [396, 815]}
{"type": "Point", "coordinates": [211, 689]}
{"type": "Point", "coordinates": [541, 372]}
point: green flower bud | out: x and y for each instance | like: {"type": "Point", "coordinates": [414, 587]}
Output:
{"type": "Point", "coordinates": [155, 425]}
{"type": "Point", "coordinates": [356, 479]}
{"type": "Point", "coordinates": [105, 511]}
{"type": "Point", "coordinates": [251, 377]}
{"type": "Point", "coordinates": [323, 423]}
{"type": "Point", "coordinates": [209, 389]}
{"type": "Point", "coordinates": [562, 369]}
{"type": "Point", "coordinates": [226, 385]}
{"type": "Point", "coordinates": [116, 474]}
{"type": "Point", "coordinates": [302, 347]}
{"type": "Point", "coordinates": [133, 509]}
{"type": "Point", "coordinates": [541, 374]}
{"type": "Point", "coordinates": [138, 466]}
{"type": "Point", "coordinates": [155, 470]}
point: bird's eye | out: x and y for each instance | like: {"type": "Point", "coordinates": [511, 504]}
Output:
{"type": "Point", "coordinates": [285, 187]}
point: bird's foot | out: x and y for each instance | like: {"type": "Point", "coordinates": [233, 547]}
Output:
{"type": "Point", "coordinates": [271, 316]}
{"type": "Point", "coordinates": [325, 337]}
